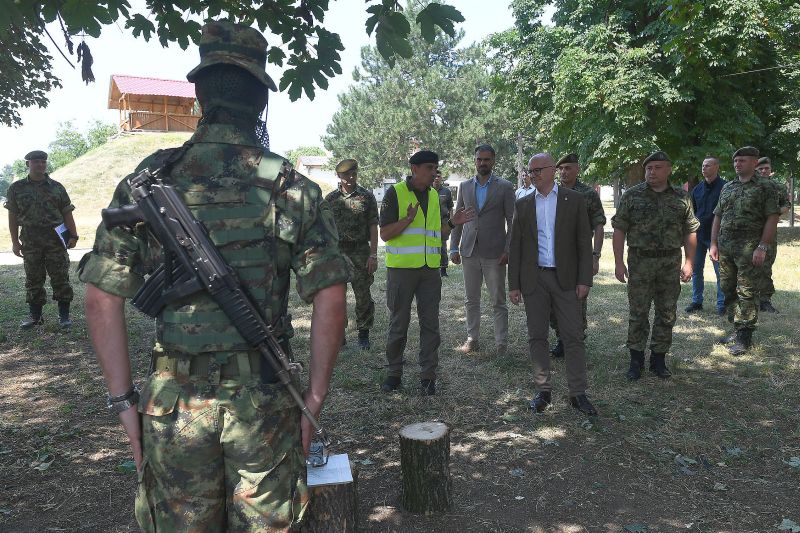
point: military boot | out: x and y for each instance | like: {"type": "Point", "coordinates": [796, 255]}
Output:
{"type": "Point", "coordinates": [727, 339]}
{"type": "Point", "coordinates": [63, 315]}
{"type": "Point", "coordinates": [35, 318]}
{"type": "Point", "coordinates": [658, 366]}
{"type": "Point", "coordinates": [637, 364]}
{"type": "Point", "coordinates": [363, 339]}
{"type": "Point", "coordinates": [744, 341]}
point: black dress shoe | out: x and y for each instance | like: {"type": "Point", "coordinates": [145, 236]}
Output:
{"type": "Point", "coordinates": [558, 350]}
{"type": "Point", "coordinates": [391, 384]}
{"type": "Point", "coordinates": [427, 387]}
{"type": "Point", "coordinates": [541, 402]}
{"type": "Point", "coordinates": [582, 404]}
{"type": "Point", "coordinates": [443, 272]}
{"type": "Point", "coordinates": [693, 307]}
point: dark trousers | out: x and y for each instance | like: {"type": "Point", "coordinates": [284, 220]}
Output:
{"type": "Point", "coordinates": [549, 296]}
{"type": "Point", "coordinates": [402, 286]}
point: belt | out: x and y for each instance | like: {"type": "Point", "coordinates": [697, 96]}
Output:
{"type": "Point", "coordinates": [550, 269]}
{"type": "Point", "coordinates": [204, 365]}
{"type": "Point", "coordinates": [644, 252]}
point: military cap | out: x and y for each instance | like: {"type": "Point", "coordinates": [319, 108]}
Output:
{"type": "Point", "coordinates": [764, 161]}
{"type": "Point", "coordinates": [225, 43]}
{"type": "Point", "coordinates": [656, 156]}
{"type": "Point", "coordinates": [569, 158]}
{"type": "Point", "coordinates": [346, 165]}
{"type": "Point", "coordinates": [746, 151]}
{"type": "Point", "coordinates": [424, 156]}
{"type": "Point", "coordinates": [36, 154]}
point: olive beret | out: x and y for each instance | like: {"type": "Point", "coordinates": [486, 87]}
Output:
{"type": "Point", "coordinates": [36, 154]}
{"type": "Point", "coordinates": [346, 165]}
{"type": "Point", "coordinates": [422, 157]}
{"type": "Point", "coordinates": [656, 156]}
{"type": "Point", "coordinates": [746, 151]}
{"type": "Point", "coordinates": [764, 161]}
{"type": "Point", "coordinates": [569, 158]}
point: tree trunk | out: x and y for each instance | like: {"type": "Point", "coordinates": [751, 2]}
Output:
{"type": "Point", "coordinates": [333, 508]}
{"type": "Point", "coordinates": [425, 463]}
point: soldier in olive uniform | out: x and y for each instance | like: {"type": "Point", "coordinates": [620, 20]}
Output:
{"type": "Point", "coordinates": [217, 440]}
{"type": "Point", "coordinates": [767, 288]}
{"type": "Point", "coordinates": [657, 220]}
{"type": "Point", "coordinates": [745, 224]}
{"type": "Point", "coordinates": [446, 208]}
{"type": "Point", "coordinates": [37, 205]}
{"type": "Point", "coordinates": [356, 214]}
{"type": "Point", "coordinates": [569, 167]}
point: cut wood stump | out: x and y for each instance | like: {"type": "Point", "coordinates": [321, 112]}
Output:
{"type": "Point", "coordinates": [333, 508]}
{"type": "Point", "coordinates": [425, 463]}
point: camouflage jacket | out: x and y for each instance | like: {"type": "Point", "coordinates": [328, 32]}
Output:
{"type": "Point", "coordinates": [743, 208]}
{"type": "Point", "coordinates": [445, 202]}
{"type": "Point", "coordinates": [781, 193]}
{"type": "Point", "coordinates": [354, 213]}
{"type": "Point", "coordinates": [655, 220]}
{"type": "Point", "coordinates": [264, 238]}
{"type": "Point", "coordinates": [597, 216]}
{"type": "Point", "coordinates": [38, 203]}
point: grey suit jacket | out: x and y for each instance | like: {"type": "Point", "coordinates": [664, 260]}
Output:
{"type": "Point", "coordinates": [573, 243]}
{"type": "Point", "coordinates": [488, 235]}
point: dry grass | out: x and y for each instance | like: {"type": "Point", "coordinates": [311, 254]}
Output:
{"type": "Point", "coordinates": [707, 451]}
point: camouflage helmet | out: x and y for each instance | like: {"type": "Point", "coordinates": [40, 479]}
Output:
{"type": "Point", "coordinates": [224, 42]}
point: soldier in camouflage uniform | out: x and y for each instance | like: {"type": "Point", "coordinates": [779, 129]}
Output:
{"type": "Point", "coordinates": [219, 445]}
{"type": "Point", "coordinates": [356, 214]}
{"type": "Point", "coordinates": [745, 223]}
{"type": "Point", "coordinates": [657, 220]}
{"type": "Point", "coordinates": [445, 208]}
{"type": "Point", "coordinates": [569, 167]}
{"type": "Point", "coordinates": [36, 206]}
{"type": "Point", "coordinates": [767, 288]}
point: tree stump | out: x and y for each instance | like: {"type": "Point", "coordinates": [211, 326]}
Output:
{"type": "Point", "coordinates": [333, 508]}
{"type": "Point", "coordinates": [425, 464]}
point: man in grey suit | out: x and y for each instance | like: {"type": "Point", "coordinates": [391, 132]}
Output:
{"type": "Point", "coordinates": [482, 245]}
{"type": "Point", "coordinates": [550, 268]}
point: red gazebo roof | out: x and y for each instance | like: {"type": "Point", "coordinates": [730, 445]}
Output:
{"type": "Point", "coordinates": [152, 86]}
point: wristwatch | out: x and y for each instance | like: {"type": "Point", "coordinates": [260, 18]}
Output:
{"type": "Point", "coordinates": [450, 223]}
{"type": "Point", "coordinates": [763, 247]}
{"type": "Point", "coordinates": [596, 254]}
{"type": "Point", "coordinates": [118, 404]}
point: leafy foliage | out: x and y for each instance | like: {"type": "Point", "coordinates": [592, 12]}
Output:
{"type": "Point", "coordinates": [313, 52]}
{"type": "Point", "coordinates": [69, 143]}
{"type": "Point", "coordinates": [296, 153]}
{"type": "Point", "coordinates": [618, 80]}
{"type": "Point", "coordinates": [438, 99]}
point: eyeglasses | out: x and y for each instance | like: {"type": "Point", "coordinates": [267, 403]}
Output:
{"type": "Point", "coordinates": [537, 171]}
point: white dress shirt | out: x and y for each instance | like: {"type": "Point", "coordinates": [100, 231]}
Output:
{"type": "Point", "coordinates": [522, 192]}
{"type": "Point", "coordinates": [546, 224]}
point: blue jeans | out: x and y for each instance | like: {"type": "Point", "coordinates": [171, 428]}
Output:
{"type": "Point", "coordinates": [697, 275]}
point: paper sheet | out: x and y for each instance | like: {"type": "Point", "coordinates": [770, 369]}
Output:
{"type": "Point", "coordinates": [336, 472]}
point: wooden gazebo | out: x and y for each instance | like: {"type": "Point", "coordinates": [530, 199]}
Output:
{"type": "Point", "coordinates": [151, 104]}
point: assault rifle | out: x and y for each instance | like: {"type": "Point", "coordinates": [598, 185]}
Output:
{"type": "Point", "coordinates": [201, 267]}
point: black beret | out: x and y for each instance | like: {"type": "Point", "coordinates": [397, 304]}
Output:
{"type": "Point", "coordinates": [346, 165]}
{"type": "Point", "coordinates": [746, 151]}
{"type": "Point", "coordinates": [764, 161]}
{"type": "Point", "coordinates": [569, 158]}
{"type": "Point", "coordinates": [36, 154]}
{"type": "Point", "coordinates": [422, 157]}
{"type": "Point", "coordinates": [656, 156]}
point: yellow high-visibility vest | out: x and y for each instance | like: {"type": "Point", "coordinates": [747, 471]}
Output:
{"type": "Point", "coordinates": [420, 243]}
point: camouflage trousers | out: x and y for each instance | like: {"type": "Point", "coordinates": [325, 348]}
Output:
{"type": "Point", "coordinates": [362, 282]}
{"type": "Point", "coordinates": [554, 322]}
{"type": "Point", "coordinates": [219, 457]}
{"type": "Point", "coordinates": [44, 255]}
{"type": "Point", "coordinates": [766, 286]}
{"type": "Point", "coordinates": [656, 281]}
{"type": "Point", "coordinates": [740, 282]}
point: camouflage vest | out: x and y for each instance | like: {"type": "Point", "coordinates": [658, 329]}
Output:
{"type": "Point", "coordinates": [242, 221]}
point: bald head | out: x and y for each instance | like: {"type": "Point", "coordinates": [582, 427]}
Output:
{"type": "Point", "coordinates": [542, 172]}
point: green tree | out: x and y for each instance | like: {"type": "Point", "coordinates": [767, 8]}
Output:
{"type": "Point", "coordinates": [437, 99]}
{"type": "Point", "coordinates": [313, 52]}
{"type": "Point", "coordinates": [99, 133]}
{"type": "Point", "coordinates": [296, 153]}
{"type": "Point", "coordinates": [68, 145]}
{"type": "Point", "coordinates": [617, 79]}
